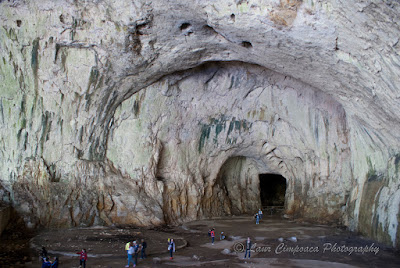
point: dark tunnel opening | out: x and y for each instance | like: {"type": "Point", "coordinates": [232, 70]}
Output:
{"type": "Point", "coordinates": [272, 190]}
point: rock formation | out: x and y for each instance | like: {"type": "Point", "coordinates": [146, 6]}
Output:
{"type": "Point", "coordinates": [150, 113]}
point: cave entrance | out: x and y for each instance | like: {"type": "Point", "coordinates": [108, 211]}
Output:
{"type": "Point", "coordinates": [272, 192]}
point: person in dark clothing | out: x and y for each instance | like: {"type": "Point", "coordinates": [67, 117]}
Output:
{"type": "Point", "coordinates": [248, 247]}
{"type": "Point", "coordinates": [46, 263]}
{"type": "Point", "coordinates": [143, 251]}
{"type": "Point", "coordinates": [82, 258]}
{"type": "Point", "coordinates": [43, 254]}
{"type": "Point", "coordinates": [135, 252]}
{"type": "Point", "coordinates": [55, 263]}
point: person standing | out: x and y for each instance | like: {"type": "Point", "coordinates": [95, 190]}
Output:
{"type": "Point", "coordinates": [143, 250]}
{"type": "Point", "coordinates": [43, 254]}
{"type": "Point", "coordinates": [82, 258]}
{"type": "Point", "coordinates": [46, 263]}
{"type": "Point", "coordinates": [171, 248]}
{"type": "Point", "coordinates": [130, 254]}
{"type": "Point", "coordinates": [260, 213]}
{"type": "Point", "coordinates": [127, 246]}
{"type": "Point", "coordinates": [248, 248]}
{"type": "Point", "coordinates": [55, 263]}
{"type": "Point", "coordinates": [212, 236]}
{"type": "Point", "coordinates": [257, 218]}
{"type": "Point", "coordinates": [135, 252]}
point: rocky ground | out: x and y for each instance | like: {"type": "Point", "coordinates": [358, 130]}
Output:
{"type": "Point", "coordinates": [316, 245]}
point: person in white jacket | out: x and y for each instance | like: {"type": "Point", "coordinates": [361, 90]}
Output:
{"type": "Point", "coordinates": [131, 251]}
{"type": "Point", "coordinates": [171, 248]}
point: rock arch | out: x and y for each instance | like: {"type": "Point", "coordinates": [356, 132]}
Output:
{"type": "Point", "coordinates": [277, 123]}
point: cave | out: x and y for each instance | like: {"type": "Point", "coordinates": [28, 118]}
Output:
{"type": "Point", "coordinates": [272, 190]}
{"type": "Point", "coordinates": [115, 114]}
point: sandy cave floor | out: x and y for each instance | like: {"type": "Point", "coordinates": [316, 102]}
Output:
{"type": "Point", "coordinates": [326, 246]}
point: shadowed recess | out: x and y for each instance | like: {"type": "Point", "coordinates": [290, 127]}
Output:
{"type": "Point", "coordinates": [272, 190]}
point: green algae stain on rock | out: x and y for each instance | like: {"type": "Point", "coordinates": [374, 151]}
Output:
{"type": "Point", "coordinates": [397, 163]}
{"type": "Point", "coordinates": [205, 134]}
{"type": "Point", "coordinates": [34, 58]}
{"type": "Point", "coordinates": [218, 126]}
{"type": "Point", "coordinates": [243, 7]}
{"type": "Point", "coordinates": [368, 218]}
{"type": "Point", "coordinates": [137, 104]}
{"type": "Point", "coordinates": [371, 174]}
{"type": "Point", "coordinates": [46, 127]}
{"type": "Point", "coordinates": [136, 108]}
{"type": "Point", "coordinates": [93, 77]}
{"type": "Point", "coordinates": [35, 61]}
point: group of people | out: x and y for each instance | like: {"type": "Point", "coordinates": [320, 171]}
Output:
{"type": "Point", "coordinates": [258, 216]}
{"type": "Point", "coordinates": [46, 263]}
{"type": "Point", "coordinates": [211, 233]}
{"type": "Point", "coordinates": [133, 249]}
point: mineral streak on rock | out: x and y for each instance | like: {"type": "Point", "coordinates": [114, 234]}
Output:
{"type": "Point", "coordinates": [146, 113]}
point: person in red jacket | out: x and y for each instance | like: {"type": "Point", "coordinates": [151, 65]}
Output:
{"type": "Point", "coordinates": [82, 258]}
{"type": "Point", "coordinates": [212, 236]}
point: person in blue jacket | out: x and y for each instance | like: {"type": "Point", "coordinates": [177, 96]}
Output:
{"type": "Point", "coordinates": [46, 263]}
{"type": "Point", "coordinates": [55, 263]}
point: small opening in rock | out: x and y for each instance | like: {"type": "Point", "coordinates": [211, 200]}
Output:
{"type": "Point", "coordinates": [233, 17]}
{"type": "Point", "coordinates": [336, 44]}
{"type": "Point", "coordinates": [160, 178]}
{"type": "Point", "coordinates": [19, 22]}
{"type": "Point", "coordinates": [272, 190]}
{"type": "Point", "coordinates": [246, 44]}
{"type": "Point", "coordinates": [184, 26]}
{"type": "Point", "coordinates": [208, 28]}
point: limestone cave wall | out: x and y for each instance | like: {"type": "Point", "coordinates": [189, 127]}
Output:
{"type": "Point", "coordinates": [149, 113]}
{"type": "Point", "coordinates": [185, 129]}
